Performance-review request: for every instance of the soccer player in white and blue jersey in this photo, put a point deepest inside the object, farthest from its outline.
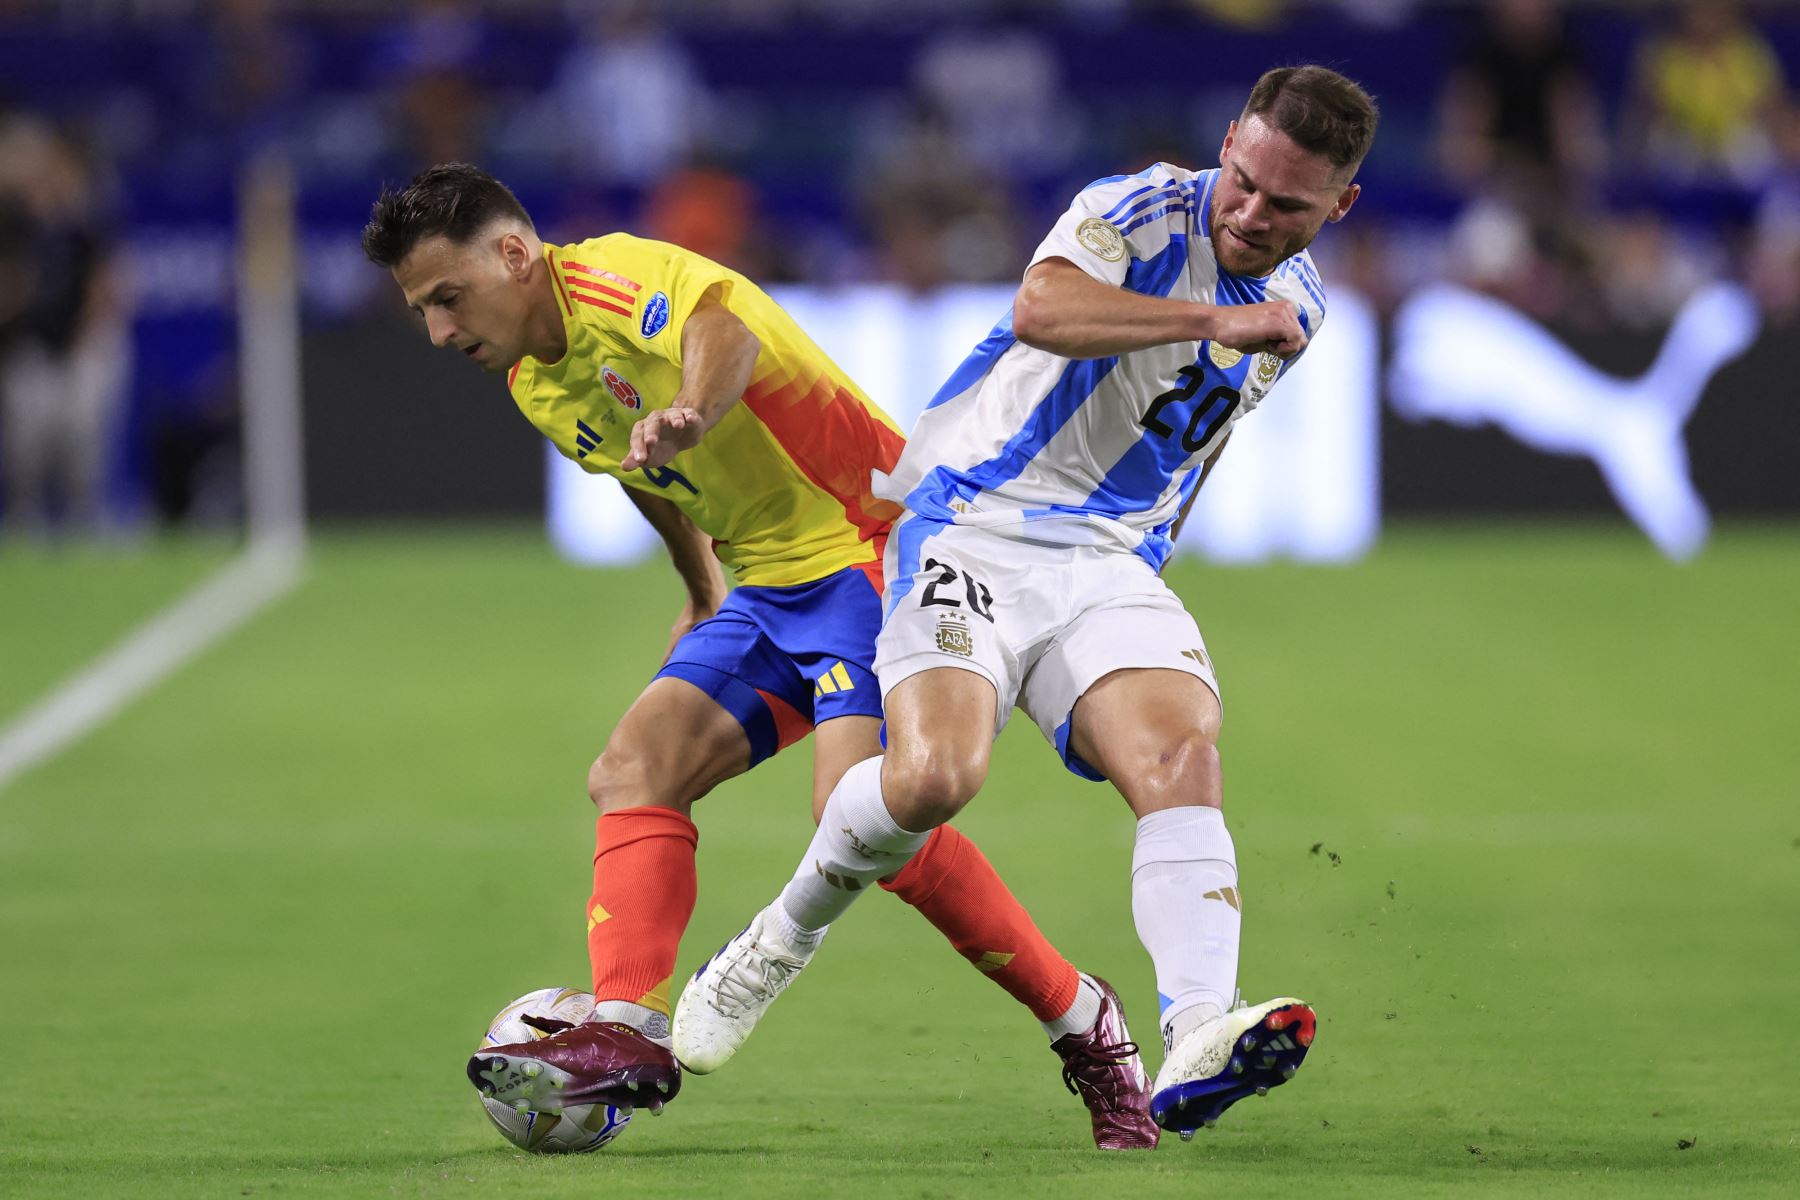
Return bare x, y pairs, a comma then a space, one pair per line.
1044, 487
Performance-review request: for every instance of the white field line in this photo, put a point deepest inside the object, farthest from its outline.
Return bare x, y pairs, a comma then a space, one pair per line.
148, 655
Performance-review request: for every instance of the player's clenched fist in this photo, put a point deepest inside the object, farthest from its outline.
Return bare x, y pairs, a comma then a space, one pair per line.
661, 435
1273, 325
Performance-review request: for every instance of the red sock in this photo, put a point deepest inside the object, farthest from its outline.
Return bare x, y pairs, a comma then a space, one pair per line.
644, 887
958, 890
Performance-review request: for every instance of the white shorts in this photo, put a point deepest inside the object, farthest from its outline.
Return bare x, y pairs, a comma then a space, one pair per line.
1042, 621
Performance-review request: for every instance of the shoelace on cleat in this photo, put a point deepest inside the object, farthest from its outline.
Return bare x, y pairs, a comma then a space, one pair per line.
1090, 1067
546, 1025
738, 988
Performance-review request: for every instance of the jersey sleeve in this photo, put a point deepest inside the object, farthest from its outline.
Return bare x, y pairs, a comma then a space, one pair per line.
639, 292
1113, 221
1300, 285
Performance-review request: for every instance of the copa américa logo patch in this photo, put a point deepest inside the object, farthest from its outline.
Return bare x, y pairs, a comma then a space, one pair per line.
656, 315
1101, 238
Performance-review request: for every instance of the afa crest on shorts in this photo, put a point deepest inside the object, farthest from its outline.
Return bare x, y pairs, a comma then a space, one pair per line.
954, 637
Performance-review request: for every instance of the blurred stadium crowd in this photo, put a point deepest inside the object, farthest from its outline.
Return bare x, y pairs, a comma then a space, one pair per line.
1590, 163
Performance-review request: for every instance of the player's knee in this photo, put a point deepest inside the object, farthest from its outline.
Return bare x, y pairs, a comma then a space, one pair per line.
926, 790
616, 780
1180, 769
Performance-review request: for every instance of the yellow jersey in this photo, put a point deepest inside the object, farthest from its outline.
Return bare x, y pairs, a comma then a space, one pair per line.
781, 482
1716, 98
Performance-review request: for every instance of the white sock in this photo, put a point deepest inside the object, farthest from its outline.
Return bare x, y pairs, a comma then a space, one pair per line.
857, 842
1083, 1011
647, 1021
1185, 900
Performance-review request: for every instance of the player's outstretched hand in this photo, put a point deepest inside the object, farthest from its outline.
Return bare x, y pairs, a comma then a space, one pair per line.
661, 435
1273, 325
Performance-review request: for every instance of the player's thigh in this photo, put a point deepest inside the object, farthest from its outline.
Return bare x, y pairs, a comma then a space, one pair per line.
1126, 690
1154, 733
818, 639
726, 700
673, 745
940, 739
838, 745
966, 610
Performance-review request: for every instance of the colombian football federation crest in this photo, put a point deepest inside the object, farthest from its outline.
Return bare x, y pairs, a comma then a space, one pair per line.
1101, 237
622, 390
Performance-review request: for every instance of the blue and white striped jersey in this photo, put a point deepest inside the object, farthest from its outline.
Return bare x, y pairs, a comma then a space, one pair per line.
1101, 451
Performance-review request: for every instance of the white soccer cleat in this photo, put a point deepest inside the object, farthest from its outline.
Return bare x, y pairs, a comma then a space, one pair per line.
722, 1003
1244, 1052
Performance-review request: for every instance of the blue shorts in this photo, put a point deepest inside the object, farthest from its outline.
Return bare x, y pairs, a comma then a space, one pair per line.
783, 659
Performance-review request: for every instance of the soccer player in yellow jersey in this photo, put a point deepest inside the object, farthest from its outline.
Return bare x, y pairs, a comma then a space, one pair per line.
742, 444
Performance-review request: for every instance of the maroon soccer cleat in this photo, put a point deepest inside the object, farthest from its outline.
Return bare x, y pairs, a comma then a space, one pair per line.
1103, 1068
598, 1063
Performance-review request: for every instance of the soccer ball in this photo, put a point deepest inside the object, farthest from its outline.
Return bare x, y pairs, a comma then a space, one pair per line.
579, 1128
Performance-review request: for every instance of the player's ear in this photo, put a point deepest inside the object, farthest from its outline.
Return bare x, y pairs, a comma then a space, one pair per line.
1230, 135
516, 254
1345, 199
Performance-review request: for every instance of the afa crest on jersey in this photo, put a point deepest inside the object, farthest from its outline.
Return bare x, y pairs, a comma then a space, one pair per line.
621, 389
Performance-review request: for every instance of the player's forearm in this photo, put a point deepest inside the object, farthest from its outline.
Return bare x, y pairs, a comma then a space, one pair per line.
706, 587
698, 567
1062, 309
718, 358
690, 550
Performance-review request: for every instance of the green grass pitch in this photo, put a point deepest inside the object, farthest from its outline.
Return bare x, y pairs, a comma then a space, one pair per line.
1515, 808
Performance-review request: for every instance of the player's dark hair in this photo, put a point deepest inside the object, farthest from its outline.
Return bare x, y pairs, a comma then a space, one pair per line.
452, 200
1324, 112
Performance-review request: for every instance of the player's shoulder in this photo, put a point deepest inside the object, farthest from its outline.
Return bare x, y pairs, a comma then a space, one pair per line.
1298, 279
647, 266
1115, 193
601, 280
611, 252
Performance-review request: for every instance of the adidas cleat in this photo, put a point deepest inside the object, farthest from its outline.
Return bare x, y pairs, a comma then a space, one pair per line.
1243, 1053
596, 1063
722, 1003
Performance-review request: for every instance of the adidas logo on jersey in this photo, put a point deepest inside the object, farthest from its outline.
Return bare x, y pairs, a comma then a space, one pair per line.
586, 440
